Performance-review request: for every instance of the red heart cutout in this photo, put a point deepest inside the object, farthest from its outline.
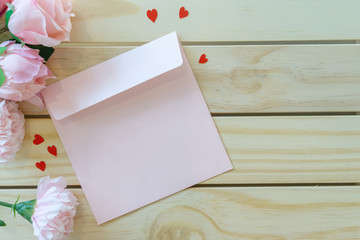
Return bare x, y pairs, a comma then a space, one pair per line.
152, 15
38, 139
183, 13
203, 58
52, 150
41, 165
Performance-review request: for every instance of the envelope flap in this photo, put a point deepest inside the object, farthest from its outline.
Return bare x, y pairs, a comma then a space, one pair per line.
113, 76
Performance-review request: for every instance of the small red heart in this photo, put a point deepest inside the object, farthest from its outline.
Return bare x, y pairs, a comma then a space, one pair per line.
183, 13
41, 165
52, 150
38, 139
203, 58
152, 14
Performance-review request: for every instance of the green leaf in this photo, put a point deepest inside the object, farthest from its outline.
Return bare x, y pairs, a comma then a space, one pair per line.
2, 223
2, 49
26, 209
8, 15
2, 77
18, 40
45, 52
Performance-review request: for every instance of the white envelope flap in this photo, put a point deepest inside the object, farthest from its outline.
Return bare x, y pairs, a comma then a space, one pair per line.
113, 76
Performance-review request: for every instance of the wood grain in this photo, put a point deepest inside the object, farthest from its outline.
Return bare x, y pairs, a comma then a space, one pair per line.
213, 213
244, 20
262, 150
125, 22
236, 79
243, 79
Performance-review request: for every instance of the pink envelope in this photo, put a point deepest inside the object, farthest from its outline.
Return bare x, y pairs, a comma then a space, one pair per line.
136, 128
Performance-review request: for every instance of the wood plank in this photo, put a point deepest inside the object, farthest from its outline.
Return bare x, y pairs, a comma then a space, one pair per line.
218, 213
123, 21
244, 20
262, 150
312, 78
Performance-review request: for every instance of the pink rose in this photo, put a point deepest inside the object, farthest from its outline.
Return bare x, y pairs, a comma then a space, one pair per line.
3, 6
54, 211
11, 130
24, 70
45, 22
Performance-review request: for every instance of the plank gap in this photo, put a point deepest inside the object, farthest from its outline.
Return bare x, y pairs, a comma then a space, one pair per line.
37, 116
205, 43
252, 114
256, 185
223, 185
284, 114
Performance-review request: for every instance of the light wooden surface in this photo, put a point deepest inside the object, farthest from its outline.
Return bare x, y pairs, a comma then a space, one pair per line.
209, 21
220, 213
284, 78
287, 114
268, 150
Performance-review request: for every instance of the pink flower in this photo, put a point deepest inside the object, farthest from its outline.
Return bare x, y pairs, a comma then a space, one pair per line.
54, 211
3, 6
45, 22
24, 70
11, 130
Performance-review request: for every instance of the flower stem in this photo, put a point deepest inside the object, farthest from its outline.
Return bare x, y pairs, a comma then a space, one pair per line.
9, 205
4, 29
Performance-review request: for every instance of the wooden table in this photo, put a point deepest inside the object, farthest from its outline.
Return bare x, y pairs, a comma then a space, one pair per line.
283, 85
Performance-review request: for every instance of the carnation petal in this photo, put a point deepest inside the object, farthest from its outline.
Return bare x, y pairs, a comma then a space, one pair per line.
11, 130
54, 210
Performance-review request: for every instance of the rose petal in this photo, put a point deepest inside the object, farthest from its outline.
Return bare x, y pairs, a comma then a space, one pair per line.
48, 25
25, 72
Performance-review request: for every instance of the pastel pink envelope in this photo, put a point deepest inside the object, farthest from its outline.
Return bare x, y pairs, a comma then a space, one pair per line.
136, 128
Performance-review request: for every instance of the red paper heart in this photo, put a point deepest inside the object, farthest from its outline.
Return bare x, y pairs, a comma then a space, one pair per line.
152, 14
183, 13
41, 165
38, 139
203, 58
52, 150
